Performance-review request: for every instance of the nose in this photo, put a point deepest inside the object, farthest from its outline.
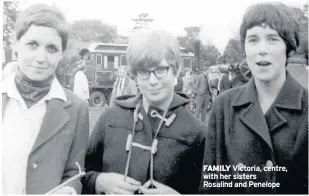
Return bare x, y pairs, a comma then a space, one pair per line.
263, 48
152, 78
41, 55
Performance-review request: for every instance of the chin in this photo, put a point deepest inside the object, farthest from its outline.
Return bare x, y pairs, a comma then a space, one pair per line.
265, 78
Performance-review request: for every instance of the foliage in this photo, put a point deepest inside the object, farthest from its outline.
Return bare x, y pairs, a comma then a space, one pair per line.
10, 12
233, 53
141, 21
93, 31
207, 54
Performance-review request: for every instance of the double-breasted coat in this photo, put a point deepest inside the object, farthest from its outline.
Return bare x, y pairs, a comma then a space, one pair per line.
178, 160
239, 133
62, 141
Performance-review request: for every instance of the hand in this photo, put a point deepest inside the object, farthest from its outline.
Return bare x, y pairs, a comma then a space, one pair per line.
159, 190
113, 183
67, 190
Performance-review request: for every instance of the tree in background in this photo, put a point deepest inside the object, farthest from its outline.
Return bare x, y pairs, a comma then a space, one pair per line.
233, 53
82, 34
93, 31
141, 21
10, 12
208, 54
302, 18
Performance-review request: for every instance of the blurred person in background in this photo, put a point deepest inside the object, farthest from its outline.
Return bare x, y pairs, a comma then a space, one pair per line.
123, 85
203, 95
80, 84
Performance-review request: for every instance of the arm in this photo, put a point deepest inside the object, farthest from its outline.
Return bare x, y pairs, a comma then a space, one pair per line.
78, 148
94, 157
197, 174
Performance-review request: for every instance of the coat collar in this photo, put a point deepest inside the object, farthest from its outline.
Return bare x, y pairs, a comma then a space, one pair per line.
55, 118
289, 97
130, 101
251, 114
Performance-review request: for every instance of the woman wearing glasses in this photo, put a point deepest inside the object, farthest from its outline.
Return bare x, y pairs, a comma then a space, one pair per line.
149, 143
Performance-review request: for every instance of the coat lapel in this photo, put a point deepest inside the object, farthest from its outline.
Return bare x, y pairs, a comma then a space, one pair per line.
251, 113
54, 120
289, 98
253, 117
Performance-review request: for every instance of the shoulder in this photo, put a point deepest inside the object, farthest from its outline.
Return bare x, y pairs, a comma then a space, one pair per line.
227, 98
116, 112
73, 98
195, 129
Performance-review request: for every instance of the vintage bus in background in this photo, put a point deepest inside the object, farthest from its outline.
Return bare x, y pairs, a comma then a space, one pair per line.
101, 69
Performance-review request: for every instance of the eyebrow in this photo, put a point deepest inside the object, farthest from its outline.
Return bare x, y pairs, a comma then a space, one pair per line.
53, 45
251, 36
273, 35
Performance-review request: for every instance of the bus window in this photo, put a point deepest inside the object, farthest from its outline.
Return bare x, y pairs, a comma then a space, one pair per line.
123, 60
110, 62
99, 60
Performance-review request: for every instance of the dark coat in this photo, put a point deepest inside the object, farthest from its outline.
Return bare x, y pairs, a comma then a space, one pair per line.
201, 85
178, 87
62, 141
178, 161
224, 83
239, 132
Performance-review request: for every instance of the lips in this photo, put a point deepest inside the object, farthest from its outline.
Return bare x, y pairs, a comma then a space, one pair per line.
263, 63
38, 67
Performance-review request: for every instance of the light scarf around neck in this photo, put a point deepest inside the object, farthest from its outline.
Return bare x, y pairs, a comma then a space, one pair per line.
30, 90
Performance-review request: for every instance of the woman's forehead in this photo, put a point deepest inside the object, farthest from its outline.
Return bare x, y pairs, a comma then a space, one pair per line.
261, 29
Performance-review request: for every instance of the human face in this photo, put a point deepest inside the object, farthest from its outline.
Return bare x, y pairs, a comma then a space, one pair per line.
266, 53
122, 72
39, 52
157, 91
188, 74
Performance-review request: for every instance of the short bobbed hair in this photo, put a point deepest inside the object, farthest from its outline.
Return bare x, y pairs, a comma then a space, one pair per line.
148, 48
42, 15
278, 17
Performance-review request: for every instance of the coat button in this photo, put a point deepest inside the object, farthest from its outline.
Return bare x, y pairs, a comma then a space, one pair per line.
269, 163
34, 166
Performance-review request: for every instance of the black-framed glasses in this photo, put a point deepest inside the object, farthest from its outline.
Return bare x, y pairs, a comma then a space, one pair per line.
159, 73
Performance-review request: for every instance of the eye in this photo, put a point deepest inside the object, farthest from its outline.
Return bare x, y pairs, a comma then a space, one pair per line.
160, 70
273, 39
52, 49
142, 72
33, 45
252, 40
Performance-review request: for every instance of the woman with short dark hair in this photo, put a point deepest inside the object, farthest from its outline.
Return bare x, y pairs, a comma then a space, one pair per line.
262, 125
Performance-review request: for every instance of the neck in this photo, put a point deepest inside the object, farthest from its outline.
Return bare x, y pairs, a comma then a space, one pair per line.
163, 105
268, 91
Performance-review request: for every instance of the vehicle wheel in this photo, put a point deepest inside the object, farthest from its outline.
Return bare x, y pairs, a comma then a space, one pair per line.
97, 99
245, 71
